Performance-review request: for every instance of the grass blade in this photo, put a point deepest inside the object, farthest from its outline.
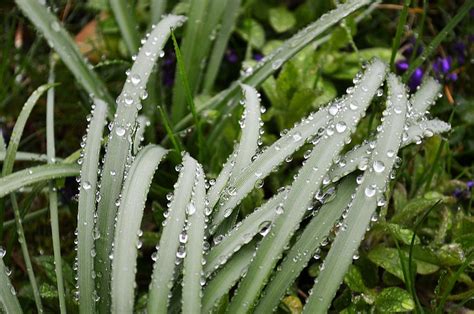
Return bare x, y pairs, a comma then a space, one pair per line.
462, 11
398, 35
8, 300
305, 247
228, 21
242, 156
192, 44
226, 278
127, 23
424, 98
86, 208
169, 247
129, 218
365, 202
53, 196
181, 70
61, 41
196, 226
25, 156
142, 123
19, 179
306, 184
119, 146
7, 169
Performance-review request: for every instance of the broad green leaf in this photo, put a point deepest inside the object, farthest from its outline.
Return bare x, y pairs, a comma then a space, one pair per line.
281, 19
394, 300
8, 300
252, 32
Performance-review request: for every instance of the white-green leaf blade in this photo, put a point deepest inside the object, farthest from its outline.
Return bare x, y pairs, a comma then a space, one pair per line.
22, 178
374, 183
129, 218
163, 268
125, 18
226, 278
119, 148
87, 207
305, 247
192, 270
243, 233
8, 300
307, 182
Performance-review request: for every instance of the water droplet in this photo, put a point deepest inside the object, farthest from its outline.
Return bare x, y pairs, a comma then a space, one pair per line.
390, 153
277, 64
370, 190
265, 227
341, 126
135, 79
190, 209
378, 166
333, 109
55, 26
297, 136
120, 131
86, 185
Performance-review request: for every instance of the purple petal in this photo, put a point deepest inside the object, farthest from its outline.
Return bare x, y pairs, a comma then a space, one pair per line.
415, 79
401, 66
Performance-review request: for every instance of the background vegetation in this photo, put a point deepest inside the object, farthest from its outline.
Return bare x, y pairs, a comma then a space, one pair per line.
430, 201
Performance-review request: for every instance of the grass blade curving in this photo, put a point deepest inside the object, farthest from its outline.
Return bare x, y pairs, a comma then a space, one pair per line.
8, 300
22, 178
86, 208
308, 181
424, 98
59, 39
127, 23
129, 218
368, 195
119, 147
242, 156
305, 247
53, 196
7, 169
169, 247
194, 238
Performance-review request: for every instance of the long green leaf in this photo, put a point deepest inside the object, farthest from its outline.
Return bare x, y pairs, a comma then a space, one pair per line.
53, 196
119, 146
169, 247
7, 169
247, 148
227, 25
20, 179
129, 218
25, 156
86, 208
194, 239
367, 197
125, 18
304, 249
308, 181
193, 42
59, 39
8, 300
157, 8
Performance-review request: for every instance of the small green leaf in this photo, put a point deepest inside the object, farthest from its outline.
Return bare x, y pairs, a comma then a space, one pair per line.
394, 299
354, 280
252, 32
281, 19
293, 304
401, 234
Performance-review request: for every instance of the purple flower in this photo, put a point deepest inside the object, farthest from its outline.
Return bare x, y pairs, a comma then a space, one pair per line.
470, 184
401, 66
415, 79
257, 56
452, 77
458, 193
231, 56
441, 66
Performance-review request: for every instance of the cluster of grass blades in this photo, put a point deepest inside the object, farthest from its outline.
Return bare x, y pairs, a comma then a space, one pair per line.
204, 251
